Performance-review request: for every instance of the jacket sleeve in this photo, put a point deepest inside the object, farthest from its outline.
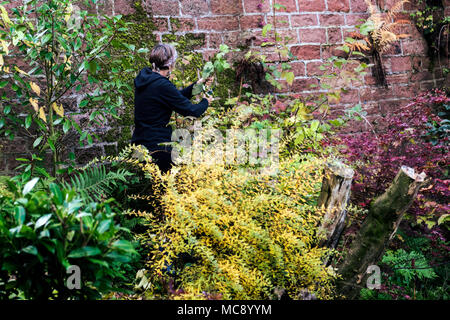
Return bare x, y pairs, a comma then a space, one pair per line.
179, 103
187, 92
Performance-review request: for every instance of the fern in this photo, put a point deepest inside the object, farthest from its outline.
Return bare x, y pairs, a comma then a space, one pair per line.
407, 265
95, 183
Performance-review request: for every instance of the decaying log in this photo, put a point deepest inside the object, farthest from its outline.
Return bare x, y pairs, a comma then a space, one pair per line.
334, 197
384, 216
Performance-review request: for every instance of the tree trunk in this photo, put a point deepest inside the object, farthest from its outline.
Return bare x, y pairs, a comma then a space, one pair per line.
334, 197
383, 219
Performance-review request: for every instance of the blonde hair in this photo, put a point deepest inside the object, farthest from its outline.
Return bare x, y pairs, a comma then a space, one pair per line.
163, 56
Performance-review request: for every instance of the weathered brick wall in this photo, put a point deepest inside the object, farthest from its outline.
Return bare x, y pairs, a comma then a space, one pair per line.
316, 27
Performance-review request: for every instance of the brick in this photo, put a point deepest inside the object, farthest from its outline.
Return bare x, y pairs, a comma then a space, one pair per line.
105, 7
306, 52
123, 7
415, 47
398, 78
399, 64
232, 39
338, 5
226, 7
375, 94
405, 91
334, 35
194, 7
313, 69
182, 24
420, 63
255, 6
162, 7
218, 23
394, 49
351, 96
298, 68
300, 85
331, 19
316, 35
289, 4
251, 22
161, 24
288, 36
356, 19
214, 40
304, 20
281, 20
208, 54
358, 6
330, 50
311, 5
422, 76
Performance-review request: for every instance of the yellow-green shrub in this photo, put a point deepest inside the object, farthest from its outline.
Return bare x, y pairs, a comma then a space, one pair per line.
237, 234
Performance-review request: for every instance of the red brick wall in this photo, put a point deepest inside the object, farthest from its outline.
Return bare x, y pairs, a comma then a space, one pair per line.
317, 27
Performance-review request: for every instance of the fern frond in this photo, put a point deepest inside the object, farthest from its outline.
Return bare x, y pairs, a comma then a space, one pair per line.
95, 183
396, 8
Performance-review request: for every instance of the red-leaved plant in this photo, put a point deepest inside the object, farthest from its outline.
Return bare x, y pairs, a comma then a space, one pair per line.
402, 140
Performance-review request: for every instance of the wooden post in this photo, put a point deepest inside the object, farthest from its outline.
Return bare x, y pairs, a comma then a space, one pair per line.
334, 197
383, 219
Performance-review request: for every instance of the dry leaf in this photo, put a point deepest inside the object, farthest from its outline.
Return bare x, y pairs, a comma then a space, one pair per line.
35, 88
4, 46
58, 109
21, 71
42, 114
35, 104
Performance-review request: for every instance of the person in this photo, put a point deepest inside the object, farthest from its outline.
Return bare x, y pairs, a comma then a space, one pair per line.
156, 97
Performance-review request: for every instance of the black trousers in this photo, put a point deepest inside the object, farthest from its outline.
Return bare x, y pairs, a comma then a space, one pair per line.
162, 156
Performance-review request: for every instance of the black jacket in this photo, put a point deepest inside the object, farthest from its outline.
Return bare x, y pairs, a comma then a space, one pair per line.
154, 100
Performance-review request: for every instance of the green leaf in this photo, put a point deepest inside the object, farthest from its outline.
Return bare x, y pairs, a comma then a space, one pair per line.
288, 76
20, 214
123, 245
31, 250
37, 141
3, 84
266, 29
104, 226
29, 186
54, 188
28, 121
42, 221
84, 252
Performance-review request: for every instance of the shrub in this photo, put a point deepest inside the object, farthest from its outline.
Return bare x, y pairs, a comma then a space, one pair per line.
44, 231
403, 140
225, 232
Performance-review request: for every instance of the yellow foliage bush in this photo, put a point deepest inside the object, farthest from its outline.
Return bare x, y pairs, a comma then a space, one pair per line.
223, 231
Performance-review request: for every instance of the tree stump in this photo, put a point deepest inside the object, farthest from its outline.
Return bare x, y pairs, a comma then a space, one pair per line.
379, 227
334, 197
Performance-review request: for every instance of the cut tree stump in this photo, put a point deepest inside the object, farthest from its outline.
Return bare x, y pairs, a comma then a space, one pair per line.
379, 227
334, 197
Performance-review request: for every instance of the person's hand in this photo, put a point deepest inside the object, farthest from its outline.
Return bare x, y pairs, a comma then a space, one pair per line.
207, 81
209, 98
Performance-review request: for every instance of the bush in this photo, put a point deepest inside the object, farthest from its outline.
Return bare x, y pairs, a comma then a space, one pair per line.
404, 140
227, 233
44, 231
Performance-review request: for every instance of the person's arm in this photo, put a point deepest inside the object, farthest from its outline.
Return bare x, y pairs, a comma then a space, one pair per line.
187, 92
179, 103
